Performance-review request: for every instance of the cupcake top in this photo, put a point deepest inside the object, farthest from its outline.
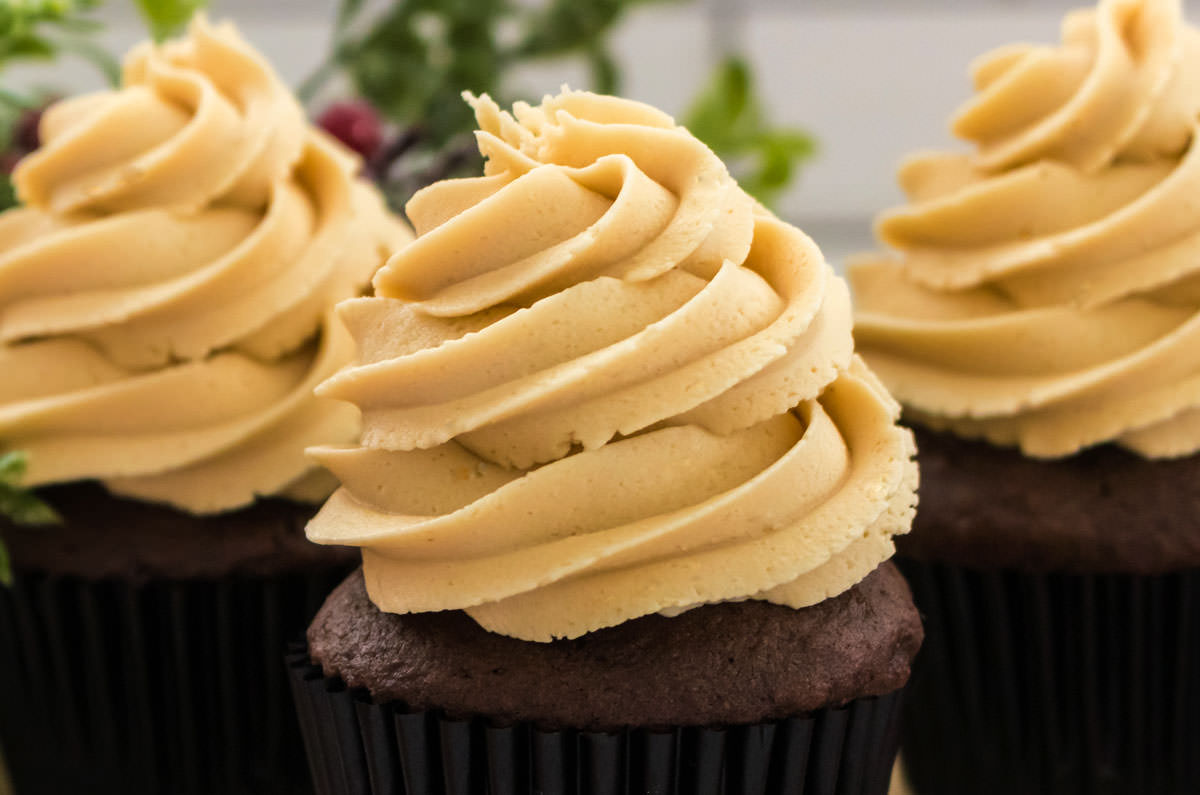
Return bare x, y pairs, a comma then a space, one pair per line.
1046, 285
604, 383
166, 293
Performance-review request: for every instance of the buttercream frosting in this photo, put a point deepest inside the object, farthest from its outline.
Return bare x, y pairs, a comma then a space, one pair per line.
603, 382
1046, 285
166, 290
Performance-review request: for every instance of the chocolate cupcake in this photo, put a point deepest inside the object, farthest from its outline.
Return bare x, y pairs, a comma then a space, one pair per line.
624, 494
1040, 322
166, 299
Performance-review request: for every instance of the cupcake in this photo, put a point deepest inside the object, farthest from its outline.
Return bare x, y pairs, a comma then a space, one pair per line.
625, 496
166, 299
1038, 320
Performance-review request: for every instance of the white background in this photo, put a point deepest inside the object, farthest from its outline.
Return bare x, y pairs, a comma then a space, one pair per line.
872, 80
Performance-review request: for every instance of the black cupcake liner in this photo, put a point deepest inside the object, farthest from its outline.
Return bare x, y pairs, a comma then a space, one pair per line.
1054, 683
358, 747
167, 687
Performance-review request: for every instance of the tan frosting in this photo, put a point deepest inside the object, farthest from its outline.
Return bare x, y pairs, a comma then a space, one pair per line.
1047, 286
602, 383
166, 294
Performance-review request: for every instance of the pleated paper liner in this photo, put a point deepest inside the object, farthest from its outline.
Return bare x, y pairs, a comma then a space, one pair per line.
166, 688
357, 747
1054, 683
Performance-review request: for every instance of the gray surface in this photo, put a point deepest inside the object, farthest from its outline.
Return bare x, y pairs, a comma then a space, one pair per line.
838, 238
873, 80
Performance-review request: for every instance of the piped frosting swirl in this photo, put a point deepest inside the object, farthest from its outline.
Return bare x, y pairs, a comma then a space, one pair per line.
166, 293
602, 382
1046, 293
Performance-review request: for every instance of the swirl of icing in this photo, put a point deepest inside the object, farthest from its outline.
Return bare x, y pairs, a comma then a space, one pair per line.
166, 295
1047, 291
602, 383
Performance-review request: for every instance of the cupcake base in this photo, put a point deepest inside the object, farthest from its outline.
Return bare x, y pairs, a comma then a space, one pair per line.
740, 698
1071, 684
161, 687
717, 665
139, 646
107, 537
1103, 510
359, 747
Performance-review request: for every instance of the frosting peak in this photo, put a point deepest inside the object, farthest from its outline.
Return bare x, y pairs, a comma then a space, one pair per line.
602, 382
166, 293
199, 120
1123, 84
1047, 287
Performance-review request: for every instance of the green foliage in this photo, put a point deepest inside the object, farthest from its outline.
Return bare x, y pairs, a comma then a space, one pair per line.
167, 17
19, 504
44, 29
8, 194
11, 108
419, 52
6, 575
413, 61
729, 117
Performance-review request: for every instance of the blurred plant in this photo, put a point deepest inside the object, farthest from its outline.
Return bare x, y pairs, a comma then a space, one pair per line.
409, 64
40, 30
44, 30
728, 116
32, 30
20, 505
412, 62
47, 28
167, 17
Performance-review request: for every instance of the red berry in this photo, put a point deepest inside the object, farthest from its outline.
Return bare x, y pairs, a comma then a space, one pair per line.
8, 161
25, 136
356, 124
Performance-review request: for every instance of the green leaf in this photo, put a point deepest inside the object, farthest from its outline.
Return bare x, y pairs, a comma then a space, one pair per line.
79, 25
411, 59
606, 76
32, 47
24, 507
15, 103
12, 466
39, 29
8, 194
6, 575
715, 114
17, 503
167, 17
728, 116
347, 12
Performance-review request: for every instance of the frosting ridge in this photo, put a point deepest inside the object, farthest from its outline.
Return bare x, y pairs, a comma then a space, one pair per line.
166, 291
1045, 288
602, 382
